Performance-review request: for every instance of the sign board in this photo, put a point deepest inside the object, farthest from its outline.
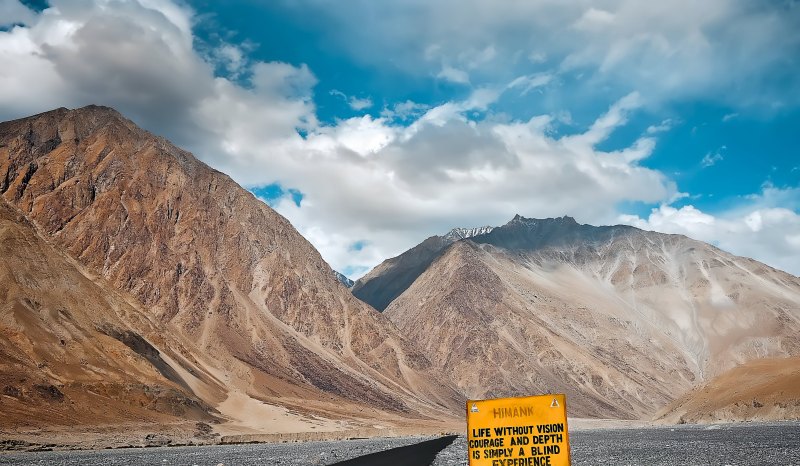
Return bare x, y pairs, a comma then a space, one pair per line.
526, 431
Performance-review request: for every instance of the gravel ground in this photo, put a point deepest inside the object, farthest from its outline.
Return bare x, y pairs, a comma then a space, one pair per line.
453, 455
728, 444
284, 454
719, 445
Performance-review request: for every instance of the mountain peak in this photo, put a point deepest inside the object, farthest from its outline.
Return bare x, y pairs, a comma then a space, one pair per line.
462, 233
93, 109
97, 108
74, 124
99, 115
533, 233
565, 220
343, 279
88, 110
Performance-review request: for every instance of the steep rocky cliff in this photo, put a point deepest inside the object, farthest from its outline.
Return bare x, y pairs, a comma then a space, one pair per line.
209, 261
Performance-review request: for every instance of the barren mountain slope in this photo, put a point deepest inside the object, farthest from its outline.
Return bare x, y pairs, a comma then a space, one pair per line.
489, 324
764, 389
389, 279
625, 320
206, 256
73, 351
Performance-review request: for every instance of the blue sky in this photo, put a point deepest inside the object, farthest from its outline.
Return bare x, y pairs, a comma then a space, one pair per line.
372, 125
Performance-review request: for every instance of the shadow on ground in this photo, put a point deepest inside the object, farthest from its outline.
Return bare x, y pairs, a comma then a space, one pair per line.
419, 454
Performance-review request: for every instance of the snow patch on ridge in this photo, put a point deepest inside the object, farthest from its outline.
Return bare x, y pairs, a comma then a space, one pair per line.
463, 233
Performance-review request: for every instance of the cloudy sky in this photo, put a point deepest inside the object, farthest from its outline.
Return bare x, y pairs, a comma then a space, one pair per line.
372, 125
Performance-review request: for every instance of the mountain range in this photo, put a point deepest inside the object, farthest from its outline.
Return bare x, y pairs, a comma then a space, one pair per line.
239, 310
138, 286
620, 319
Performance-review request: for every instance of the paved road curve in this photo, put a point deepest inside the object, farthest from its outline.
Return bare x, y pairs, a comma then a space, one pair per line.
734, 445
418, 454
283, 454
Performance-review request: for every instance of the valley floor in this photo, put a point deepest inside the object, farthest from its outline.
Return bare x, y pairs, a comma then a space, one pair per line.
149, 435
735, 444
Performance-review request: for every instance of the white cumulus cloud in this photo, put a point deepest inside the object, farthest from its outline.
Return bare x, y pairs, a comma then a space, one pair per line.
14, 12
388, 180
665, 50
763, 227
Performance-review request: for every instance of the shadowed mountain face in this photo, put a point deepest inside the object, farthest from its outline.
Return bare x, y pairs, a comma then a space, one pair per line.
530, 234
391, 278
622, 320
268, 317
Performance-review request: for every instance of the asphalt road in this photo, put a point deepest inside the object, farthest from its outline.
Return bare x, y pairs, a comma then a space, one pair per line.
423, 453
733, 445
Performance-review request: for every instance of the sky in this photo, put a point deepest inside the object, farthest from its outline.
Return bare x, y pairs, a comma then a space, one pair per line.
373, 125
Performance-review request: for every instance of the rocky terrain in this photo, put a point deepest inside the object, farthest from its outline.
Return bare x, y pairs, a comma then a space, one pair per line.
759, 390
242, 314
74, 351
293, 453
621, 320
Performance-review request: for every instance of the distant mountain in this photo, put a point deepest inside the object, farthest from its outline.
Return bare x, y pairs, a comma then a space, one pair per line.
393, 276
530, 234
620, 319
343, 279
463, 233
211, 264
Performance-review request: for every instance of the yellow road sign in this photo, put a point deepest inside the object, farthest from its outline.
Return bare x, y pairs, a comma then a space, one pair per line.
526, 431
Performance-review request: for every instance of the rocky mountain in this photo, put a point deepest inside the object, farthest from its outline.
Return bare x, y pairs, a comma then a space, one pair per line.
620, 319
393, 276
270, 324
73, 350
